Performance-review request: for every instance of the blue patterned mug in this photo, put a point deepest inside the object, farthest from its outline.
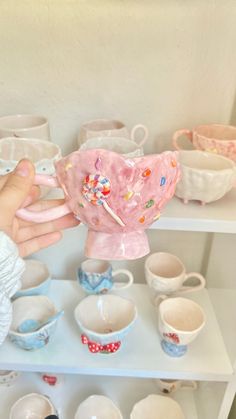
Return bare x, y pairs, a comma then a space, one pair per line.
97, 277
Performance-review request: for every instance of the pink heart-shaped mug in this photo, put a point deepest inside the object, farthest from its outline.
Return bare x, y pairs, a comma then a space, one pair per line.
117, 197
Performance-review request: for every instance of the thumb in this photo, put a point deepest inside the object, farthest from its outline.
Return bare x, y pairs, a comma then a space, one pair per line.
17, 187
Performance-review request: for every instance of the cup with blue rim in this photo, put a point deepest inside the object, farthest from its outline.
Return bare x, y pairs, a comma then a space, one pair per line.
97, 277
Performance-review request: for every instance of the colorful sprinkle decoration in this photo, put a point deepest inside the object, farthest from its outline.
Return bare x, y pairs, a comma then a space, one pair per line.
147, 172
157, 217
173, 163
163, 181
142, 219
96, 188
128, 195
68, 166
149, 203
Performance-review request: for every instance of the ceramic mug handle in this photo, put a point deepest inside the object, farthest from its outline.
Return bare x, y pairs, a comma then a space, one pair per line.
145, 134
188, 385
158, 299
46, 215
122, 285
178, 134
185, 288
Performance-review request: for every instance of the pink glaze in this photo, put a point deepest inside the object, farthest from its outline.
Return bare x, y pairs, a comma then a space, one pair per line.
139, 189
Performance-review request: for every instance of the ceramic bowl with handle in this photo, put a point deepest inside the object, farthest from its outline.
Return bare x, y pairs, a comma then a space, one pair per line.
30, 310
156, 406
105, 321
99, 407
35, 280
117, 197
32, 405
205, 177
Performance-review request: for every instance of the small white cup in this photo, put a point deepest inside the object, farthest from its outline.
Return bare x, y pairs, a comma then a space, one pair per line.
180, 322
27, 126
121, 145
166, 274
111, 128
171, 386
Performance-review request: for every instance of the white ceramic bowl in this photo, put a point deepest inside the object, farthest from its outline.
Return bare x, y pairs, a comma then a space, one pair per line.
99, 407
7, 378
35, 280
38, 308
105, 320
205, 177
32, 406
157, 407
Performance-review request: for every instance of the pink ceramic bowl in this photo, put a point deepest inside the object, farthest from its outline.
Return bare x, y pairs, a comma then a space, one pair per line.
117, 197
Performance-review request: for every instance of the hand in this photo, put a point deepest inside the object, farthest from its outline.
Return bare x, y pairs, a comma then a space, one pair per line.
16, 191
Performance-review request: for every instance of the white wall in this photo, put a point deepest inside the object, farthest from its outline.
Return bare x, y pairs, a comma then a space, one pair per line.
165, 63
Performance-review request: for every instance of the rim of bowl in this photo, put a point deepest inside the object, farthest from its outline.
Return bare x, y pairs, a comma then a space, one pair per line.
27, 115
41, 396
99, 396
202, 152
157, 396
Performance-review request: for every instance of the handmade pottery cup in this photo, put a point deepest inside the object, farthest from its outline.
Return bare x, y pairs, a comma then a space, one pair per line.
180, 322
105, 321
111, 128
35, 280
171, 386
166, 274
97, 277
26, 126
118, 205
156, 406
214, 138
206, 177
99, 407
32, 405
121, 145
8, 378
36, 309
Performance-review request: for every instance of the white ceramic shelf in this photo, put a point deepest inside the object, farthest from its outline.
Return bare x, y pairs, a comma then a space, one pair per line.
141, 355
125, 392
216, 217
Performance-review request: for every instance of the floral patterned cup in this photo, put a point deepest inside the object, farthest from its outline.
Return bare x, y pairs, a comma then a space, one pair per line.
214, 138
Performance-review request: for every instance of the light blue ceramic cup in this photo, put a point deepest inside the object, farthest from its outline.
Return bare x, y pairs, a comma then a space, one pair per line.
35, 280
97, 277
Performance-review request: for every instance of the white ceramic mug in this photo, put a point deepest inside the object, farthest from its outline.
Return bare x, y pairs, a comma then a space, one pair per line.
180, 322
27, 126
166, 274
121, 145
171, 386
111, 128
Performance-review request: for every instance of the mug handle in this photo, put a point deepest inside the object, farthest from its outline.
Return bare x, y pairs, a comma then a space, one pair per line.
188, 385
202, 283
158, 299
145, 134
46, 215
122, 285
178, 134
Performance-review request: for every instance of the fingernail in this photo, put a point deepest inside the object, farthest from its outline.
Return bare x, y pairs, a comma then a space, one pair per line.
23, 168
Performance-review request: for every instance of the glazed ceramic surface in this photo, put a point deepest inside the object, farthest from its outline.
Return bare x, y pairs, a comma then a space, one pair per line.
215, 138
206, 177
35, 279
166, 274
97, 277
5, 316
180, 322
105, 321
171, 386
34, 308
42, 153
32, 406
155, 406
117, 198
121, 145
98, 407
8, 378
111, 128
27, 126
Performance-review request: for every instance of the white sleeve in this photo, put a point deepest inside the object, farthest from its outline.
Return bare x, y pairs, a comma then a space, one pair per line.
11, 266
11, 270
